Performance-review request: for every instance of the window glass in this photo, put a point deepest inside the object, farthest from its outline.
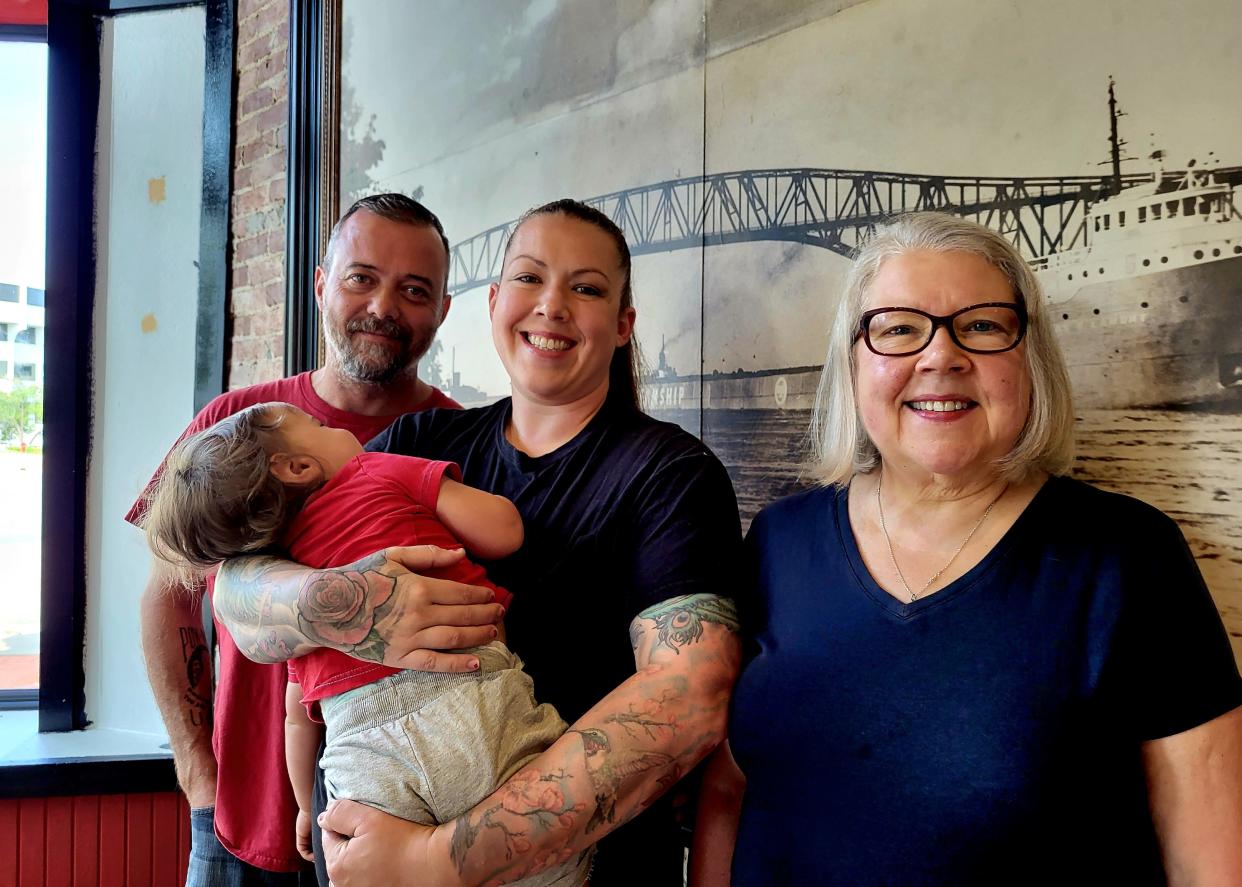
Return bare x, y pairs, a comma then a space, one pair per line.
23, 174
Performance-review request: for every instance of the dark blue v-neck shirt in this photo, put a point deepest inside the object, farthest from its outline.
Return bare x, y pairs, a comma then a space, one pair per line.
987, 734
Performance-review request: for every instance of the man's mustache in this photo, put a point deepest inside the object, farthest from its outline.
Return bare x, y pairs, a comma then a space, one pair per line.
380, 327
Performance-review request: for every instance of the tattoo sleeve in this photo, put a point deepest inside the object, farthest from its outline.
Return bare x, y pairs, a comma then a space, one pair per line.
620, 756
277, 610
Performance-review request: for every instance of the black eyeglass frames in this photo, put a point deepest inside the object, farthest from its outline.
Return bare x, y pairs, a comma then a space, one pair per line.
986, 328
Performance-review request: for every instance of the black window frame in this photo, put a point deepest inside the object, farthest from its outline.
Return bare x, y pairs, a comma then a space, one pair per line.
311, 168
72, 35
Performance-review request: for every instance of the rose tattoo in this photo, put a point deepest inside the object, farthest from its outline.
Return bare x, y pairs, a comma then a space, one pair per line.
339, 607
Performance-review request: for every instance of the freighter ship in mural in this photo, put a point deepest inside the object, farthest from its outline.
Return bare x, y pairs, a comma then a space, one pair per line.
1148, 311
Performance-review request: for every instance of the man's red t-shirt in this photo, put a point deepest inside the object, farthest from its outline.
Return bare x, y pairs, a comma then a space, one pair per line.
255, 806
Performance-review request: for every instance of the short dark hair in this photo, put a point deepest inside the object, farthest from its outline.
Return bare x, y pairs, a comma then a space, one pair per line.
395, 207
624, 371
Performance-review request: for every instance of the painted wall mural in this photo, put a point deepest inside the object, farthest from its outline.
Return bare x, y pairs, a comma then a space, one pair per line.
746, 147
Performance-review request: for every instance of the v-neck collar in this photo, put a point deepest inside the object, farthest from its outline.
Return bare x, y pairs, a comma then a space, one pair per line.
906, 612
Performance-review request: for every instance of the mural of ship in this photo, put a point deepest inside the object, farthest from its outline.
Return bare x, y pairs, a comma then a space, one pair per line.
1148, 311
1142, 272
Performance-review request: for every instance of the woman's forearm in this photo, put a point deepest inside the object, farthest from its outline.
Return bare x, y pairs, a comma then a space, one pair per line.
277, 610
374, 609
716, 823
611, 764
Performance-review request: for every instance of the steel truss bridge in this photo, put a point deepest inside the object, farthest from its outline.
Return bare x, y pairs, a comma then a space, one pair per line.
829, 208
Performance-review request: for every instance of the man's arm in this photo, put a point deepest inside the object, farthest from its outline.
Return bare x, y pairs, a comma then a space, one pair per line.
611, 764
373, 609
179, 669
1194, 782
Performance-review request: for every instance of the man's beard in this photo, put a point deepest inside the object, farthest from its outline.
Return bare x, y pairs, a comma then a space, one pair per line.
373, 362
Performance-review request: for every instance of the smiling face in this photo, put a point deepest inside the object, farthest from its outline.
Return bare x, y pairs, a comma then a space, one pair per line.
382, 297
302, 435
556, 311
943, 411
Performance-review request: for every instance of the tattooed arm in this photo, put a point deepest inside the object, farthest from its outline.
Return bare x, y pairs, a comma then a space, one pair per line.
179, 669
611, 764
374, 609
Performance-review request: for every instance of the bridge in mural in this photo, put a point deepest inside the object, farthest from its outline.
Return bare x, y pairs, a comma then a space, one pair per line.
829, 208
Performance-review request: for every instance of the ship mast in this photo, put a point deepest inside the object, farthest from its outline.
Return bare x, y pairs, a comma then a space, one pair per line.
1114, 142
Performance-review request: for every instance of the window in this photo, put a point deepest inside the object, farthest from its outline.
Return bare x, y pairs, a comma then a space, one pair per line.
23, 174
80, 85
4, 369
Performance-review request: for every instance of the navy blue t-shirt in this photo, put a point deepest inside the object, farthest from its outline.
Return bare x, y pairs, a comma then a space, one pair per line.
629, 513
987, 734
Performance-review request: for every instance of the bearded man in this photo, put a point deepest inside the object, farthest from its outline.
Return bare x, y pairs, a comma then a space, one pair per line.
381, 292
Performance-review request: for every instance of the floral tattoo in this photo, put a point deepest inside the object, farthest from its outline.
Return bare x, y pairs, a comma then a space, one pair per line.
339, 608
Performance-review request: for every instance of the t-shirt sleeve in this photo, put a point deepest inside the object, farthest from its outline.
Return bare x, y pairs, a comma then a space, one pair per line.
426, 490
418, 479
688, 538
751, 609
1172, 658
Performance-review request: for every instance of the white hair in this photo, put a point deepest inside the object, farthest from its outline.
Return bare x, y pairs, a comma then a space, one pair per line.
842, 447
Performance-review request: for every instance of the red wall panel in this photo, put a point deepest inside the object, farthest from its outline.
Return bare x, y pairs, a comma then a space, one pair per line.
133, 840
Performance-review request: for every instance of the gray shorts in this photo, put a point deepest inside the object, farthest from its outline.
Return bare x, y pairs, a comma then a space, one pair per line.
428, 747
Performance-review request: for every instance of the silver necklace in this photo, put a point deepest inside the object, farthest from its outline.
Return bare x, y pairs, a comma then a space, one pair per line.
936, 575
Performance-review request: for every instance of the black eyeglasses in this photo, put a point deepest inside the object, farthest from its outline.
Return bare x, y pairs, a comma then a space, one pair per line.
986, 328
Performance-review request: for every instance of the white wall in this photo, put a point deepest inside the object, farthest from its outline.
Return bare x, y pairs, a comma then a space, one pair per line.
149, 194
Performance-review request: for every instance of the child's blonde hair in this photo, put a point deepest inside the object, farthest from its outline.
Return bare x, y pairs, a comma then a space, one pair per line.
217, 496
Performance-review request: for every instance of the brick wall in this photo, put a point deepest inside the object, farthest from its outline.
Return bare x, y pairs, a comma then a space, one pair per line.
261, 111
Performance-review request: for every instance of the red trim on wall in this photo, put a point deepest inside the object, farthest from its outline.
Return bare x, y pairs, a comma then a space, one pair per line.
134, 840
23, 12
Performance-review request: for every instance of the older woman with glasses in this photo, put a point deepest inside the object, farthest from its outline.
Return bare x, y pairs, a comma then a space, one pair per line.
969, 667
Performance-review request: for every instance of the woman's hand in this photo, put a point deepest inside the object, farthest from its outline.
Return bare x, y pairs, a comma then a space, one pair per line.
428, 616
362, 846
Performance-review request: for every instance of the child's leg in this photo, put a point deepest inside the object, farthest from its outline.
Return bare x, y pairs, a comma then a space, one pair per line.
458, 738
373, 767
